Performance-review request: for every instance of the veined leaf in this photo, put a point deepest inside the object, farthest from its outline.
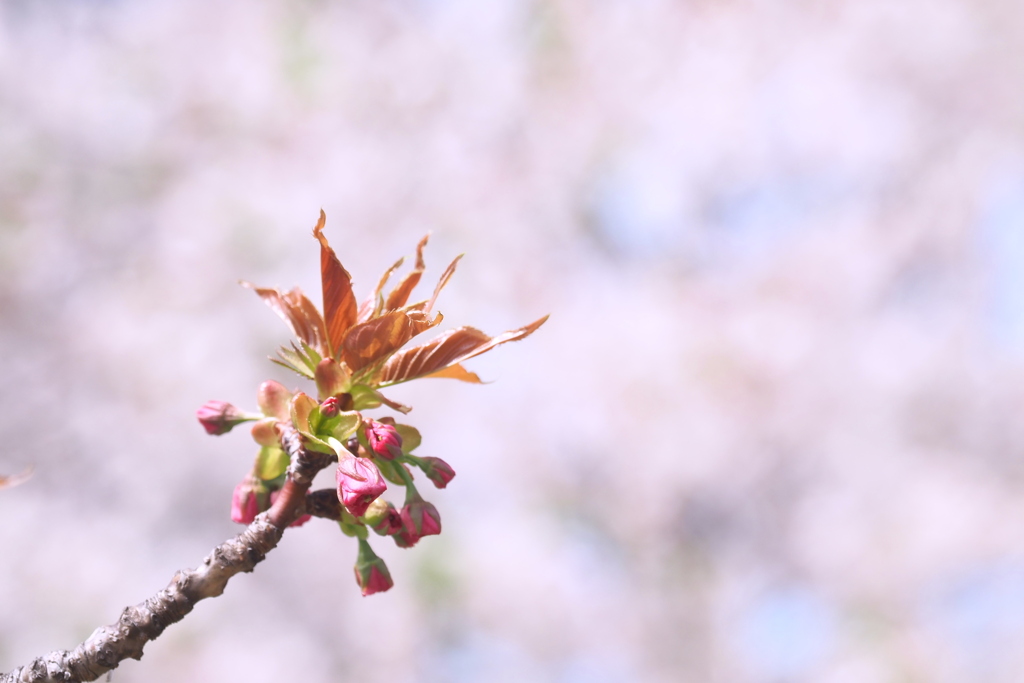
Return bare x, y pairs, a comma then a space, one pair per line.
374, 304
289, 366
344, 425
296, 310
366, 398
458, 372
410, 437
445, 277
306, 311
378, 338
311, 356
339, 300
294, 361
447, 350
401, 293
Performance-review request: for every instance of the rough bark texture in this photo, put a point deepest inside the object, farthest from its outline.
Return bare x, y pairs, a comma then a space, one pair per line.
110, 645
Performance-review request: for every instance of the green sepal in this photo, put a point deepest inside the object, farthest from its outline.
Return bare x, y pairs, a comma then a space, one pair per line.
305, 413
341, 426
363, 441
375, 514
271, 463
314, 443
350, 526
347, 425
389, 469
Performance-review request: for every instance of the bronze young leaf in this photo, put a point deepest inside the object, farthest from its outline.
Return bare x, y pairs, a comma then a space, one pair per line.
339, 300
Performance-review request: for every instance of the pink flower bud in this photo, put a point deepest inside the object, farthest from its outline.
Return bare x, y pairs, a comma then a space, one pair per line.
384, 518
264, 432
330, 407
298, 522
419, 519
437, 470
403, 539
274, 400
219, 417
384, 440
359, 484
246, 502
372, 574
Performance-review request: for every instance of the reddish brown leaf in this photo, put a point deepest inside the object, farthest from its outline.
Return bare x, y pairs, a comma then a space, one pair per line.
445, 277
373, 305
458, 372
401, 293
432, 356
298, 311
376, 339
447, 350
339, 301
304, 310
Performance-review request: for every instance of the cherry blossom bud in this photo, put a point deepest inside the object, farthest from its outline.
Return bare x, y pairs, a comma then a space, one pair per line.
274, 400
437, 471
419, 518
220, 417
372, 574
384, 440
403, 539
330, 407
359, 484
298, 522
264, 432
246, 502
383, 517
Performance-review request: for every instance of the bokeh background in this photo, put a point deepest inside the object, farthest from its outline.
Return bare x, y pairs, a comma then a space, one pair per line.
772, 432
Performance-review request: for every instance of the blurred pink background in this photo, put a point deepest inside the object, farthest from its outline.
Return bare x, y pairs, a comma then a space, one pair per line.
772, 432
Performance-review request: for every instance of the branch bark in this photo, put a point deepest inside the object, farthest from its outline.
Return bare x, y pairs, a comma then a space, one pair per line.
109, 645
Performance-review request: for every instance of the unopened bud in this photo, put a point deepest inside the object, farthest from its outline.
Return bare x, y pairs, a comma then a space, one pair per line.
419, 519
372, 574
220, 417
403, 539
359, 484
264, 432
383, 517
437, 471
274, 400
383, 439
248, 500
330, 407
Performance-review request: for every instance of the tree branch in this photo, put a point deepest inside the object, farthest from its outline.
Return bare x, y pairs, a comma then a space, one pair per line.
110, 645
